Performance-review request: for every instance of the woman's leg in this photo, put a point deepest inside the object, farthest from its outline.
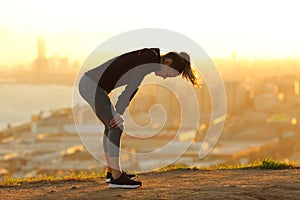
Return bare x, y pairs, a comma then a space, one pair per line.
108, 140
105, 138
111, 139
101, 104
113, 150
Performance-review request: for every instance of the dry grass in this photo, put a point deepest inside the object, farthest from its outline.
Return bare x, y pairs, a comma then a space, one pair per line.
266, 164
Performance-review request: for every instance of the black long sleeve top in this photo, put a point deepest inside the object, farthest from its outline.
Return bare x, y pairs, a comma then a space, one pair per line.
127, 69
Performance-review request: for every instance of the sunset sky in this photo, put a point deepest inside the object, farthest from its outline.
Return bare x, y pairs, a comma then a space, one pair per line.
254, 29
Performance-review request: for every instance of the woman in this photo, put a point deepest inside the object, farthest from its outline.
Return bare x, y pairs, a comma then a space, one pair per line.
128, 69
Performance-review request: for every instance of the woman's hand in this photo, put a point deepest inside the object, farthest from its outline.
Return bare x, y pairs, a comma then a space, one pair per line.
117, 121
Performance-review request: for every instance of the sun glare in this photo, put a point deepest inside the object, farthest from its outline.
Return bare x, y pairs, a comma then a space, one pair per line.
252, 28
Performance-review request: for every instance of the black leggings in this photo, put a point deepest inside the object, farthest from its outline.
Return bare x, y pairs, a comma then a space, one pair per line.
98, 99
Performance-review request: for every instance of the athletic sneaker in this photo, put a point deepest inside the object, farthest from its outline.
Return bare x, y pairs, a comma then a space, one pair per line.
109, 175
124, 182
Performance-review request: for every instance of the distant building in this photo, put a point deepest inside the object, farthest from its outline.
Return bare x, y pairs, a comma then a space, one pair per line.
277, 93
53, 69
267, 102
40, 63
41, 51
297, 88
287, 85
204, 99
238, 97
53, 123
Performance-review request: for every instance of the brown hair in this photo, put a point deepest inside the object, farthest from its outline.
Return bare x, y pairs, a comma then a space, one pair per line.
181, 63
188, 72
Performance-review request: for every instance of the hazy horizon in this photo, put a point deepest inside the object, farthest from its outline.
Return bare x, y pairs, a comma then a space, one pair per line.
254, 29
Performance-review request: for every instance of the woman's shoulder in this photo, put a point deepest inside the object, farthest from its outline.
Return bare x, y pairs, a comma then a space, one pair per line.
149, 51
149, 55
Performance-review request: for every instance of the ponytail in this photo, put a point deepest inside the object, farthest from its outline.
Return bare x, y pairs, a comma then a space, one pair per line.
188, 72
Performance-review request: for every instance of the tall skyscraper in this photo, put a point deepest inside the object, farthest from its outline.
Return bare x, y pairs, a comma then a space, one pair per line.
41, 48
40, 64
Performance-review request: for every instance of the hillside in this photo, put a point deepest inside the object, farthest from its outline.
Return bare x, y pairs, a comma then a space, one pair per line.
173, 184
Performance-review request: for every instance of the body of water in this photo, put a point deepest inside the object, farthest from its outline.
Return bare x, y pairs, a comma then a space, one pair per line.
18, 102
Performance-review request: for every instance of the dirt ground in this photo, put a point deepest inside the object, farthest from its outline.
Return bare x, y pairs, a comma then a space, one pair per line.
176, 184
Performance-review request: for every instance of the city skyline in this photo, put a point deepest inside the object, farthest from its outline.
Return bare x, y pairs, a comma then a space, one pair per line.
253, 29
35, 50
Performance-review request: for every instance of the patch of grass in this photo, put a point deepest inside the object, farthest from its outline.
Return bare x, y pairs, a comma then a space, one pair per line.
177, 167
253, 165
82, 176
266, 163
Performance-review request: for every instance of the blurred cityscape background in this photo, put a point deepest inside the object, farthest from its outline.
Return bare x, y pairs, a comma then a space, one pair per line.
254, 44
263, 112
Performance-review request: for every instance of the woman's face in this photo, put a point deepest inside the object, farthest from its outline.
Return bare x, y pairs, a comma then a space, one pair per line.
166, 71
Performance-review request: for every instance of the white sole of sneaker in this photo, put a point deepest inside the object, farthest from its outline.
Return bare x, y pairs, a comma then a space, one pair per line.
123, 186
